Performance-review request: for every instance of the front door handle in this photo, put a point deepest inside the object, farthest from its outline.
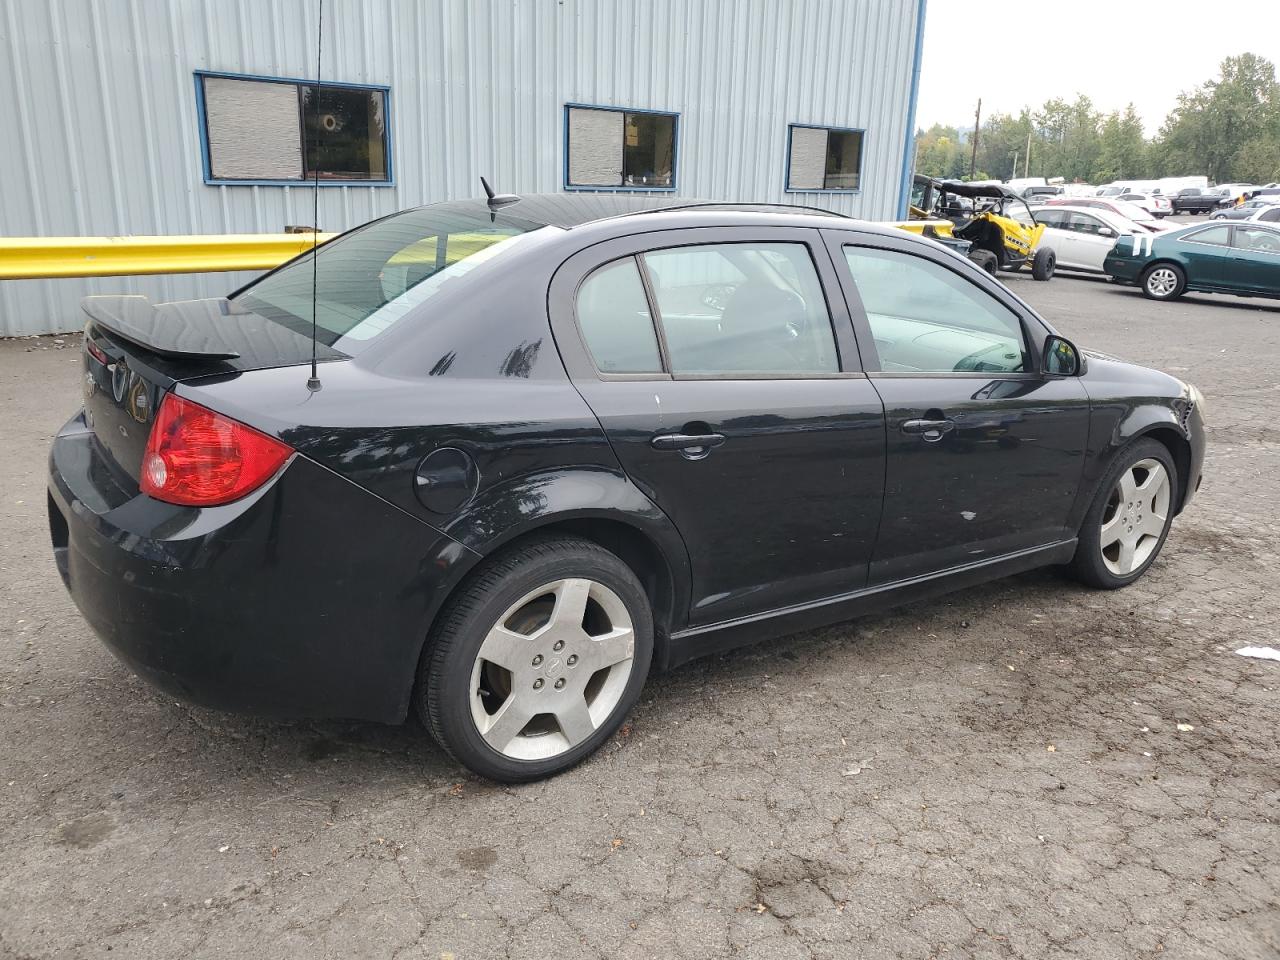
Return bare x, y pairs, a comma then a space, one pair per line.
930, 430
694, 446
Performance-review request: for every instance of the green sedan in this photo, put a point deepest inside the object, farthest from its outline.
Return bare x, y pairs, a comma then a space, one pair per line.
1239, 258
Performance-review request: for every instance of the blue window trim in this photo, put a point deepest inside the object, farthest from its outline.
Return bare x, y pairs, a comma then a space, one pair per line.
202, 121
786, 176
909, 144
675, 150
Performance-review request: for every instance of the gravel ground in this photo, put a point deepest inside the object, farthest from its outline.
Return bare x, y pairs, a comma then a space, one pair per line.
996, 774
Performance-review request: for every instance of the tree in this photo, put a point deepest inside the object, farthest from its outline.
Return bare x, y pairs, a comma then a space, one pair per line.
1122, 149
1225, 125
940, 153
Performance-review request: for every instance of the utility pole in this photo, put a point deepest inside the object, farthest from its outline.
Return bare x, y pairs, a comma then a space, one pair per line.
1015, 164
977, 125
1026, 164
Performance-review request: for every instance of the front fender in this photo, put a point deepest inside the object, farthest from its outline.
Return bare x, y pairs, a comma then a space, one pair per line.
1116, 423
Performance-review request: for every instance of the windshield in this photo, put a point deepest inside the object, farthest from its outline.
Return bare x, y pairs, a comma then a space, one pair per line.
370, 278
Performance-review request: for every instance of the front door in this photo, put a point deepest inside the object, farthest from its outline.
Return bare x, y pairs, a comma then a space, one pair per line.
733, 398
1091, 240
985, 454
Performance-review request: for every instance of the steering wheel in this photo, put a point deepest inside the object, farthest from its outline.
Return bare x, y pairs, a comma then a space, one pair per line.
1267, 244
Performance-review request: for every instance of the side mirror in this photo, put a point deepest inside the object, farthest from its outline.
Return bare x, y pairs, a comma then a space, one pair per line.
1061, 358
1106, 232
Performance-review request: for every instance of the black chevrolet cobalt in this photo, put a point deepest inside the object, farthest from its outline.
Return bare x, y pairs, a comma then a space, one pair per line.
555, 444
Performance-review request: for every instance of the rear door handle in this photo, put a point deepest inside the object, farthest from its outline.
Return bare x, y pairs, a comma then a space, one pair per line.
930, 430
685, 441
693, 445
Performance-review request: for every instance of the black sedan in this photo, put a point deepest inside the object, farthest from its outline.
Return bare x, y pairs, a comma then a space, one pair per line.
553, 444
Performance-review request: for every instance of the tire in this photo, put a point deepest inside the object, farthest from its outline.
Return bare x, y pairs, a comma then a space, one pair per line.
986, 260
1043, 264
1163, 281
1099, 560
523, 587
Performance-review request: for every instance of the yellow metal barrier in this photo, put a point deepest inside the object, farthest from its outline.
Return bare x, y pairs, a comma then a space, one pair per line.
939, 227
31, 258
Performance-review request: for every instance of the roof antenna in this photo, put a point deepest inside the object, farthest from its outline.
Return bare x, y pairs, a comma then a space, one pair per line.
313, 382
497, 200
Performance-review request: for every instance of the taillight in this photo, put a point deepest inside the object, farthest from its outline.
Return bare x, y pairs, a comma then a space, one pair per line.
198, 458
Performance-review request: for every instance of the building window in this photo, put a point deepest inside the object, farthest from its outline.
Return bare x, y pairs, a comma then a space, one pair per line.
619, 149
824, 158
266, 130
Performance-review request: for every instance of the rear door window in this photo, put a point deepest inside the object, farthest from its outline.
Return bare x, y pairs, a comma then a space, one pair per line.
1217, 236
742, 308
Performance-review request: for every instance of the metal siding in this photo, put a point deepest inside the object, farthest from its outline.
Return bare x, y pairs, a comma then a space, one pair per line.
97, 101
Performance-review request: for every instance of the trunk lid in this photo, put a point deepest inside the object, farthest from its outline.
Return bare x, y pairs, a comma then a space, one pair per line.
135, 351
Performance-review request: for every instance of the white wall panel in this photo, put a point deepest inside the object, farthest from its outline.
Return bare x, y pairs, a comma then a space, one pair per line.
99, 133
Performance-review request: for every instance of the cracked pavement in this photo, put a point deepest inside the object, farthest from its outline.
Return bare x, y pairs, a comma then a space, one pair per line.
996, 774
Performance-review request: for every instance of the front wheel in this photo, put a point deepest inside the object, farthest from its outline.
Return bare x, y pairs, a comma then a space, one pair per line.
1164, 281
538, 659
1127, 524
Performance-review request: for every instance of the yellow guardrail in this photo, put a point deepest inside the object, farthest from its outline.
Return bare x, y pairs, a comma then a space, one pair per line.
33, 258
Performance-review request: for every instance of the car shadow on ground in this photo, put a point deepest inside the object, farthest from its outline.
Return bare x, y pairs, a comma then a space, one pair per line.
256, 754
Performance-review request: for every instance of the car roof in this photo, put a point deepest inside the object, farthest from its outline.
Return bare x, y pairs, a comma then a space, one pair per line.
569, 210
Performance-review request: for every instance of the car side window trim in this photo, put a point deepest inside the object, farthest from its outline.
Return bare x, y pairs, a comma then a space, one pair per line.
1033, 331
575, 270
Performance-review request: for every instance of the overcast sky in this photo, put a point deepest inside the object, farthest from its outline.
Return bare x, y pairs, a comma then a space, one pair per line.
1113, 51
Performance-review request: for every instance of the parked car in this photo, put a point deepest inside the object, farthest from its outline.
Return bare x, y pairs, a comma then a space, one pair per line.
1081, 237
1243, 259
1040, 193
1269, 214
1242, 211
1195, 200
1154, 204
550, 443
1130, 211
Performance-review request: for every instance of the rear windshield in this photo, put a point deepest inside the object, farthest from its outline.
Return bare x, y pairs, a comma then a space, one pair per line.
370, 278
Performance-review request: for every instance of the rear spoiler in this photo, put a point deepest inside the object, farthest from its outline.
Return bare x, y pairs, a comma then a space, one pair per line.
182, 331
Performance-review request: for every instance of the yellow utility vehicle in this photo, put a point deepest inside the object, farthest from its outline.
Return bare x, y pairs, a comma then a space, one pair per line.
996, 221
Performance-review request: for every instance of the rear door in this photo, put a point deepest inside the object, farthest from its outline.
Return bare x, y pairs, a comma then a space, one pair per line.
984, 453
722, 366
1254, 262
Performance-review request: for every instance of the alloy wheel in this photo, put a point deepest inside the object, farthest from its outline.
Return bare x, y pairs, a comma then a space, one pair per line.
1161, 282
552, 669
1135, 516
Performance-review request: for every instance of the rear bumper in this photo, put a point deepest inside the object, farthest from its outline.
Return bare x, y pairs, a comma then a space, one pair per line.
310, 597
1122, 268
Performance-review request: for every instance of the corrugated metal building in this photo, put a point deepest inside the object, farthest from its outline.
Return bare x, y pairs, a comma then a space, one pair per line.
140, 117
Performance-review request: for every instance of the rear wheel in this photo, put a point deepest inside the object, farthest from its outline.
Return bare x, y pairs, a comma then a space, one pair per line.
1043, 264
1164, 281
537, 661
987, 260
1126, 526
